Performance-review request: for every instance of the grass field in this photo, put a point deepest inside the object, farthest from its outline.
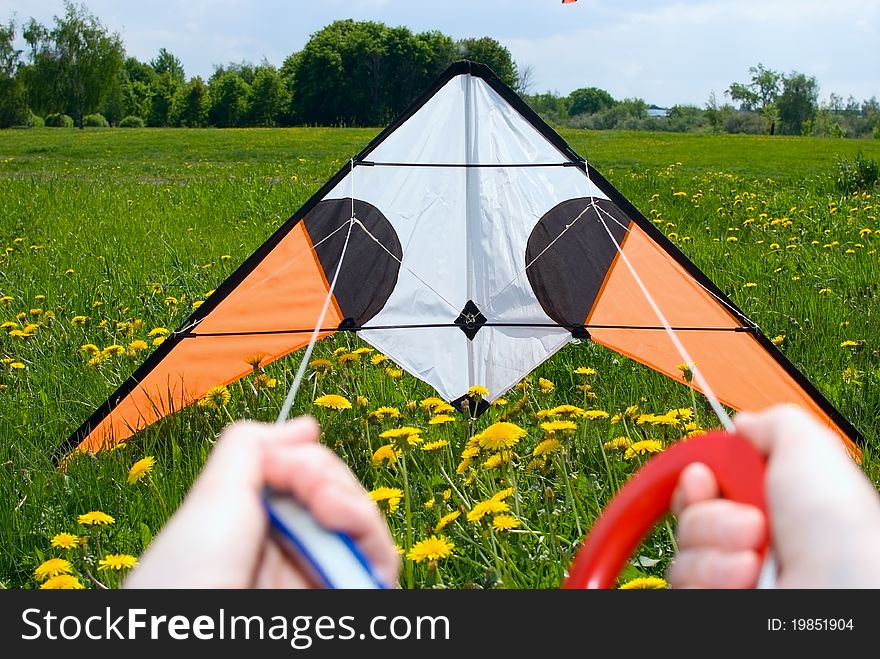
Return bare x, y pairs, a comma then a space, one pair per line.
106, 235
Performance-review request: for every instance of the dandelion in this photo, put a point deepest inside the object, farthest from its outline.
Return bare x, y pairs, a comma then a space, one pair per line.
585, 371
216, 397
500, 435
545, 385
443, 408
377, 359
362, 351
686, 371
777, 340
348, 357
435, 445
750, 284
850, 375
824, 291
381, 413
642, 447
113, 350
477, 390
117, 562
440, 419
254, 361
849, 343
95, 518
393, 373
64, 541
263, 381
432, 549
52, 568
391, 495
157, 331
595, 414
505, 522
644, 583
16, 366
323, 366
431, 402
333, 401
361, 401
410, 435
79, 320
617, 443
136, 346
487, 507
141, 469
546, 447
559, 425
447, 519
385, 453
63, 582
496, 460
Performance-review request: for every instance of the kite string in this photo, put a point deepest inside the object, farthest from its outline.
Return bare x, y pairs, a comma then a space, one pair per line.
719, 410
297, 380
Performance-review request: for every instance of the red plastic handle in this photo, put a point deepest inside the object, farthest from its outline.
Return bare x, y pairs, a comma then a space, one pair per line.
647, 496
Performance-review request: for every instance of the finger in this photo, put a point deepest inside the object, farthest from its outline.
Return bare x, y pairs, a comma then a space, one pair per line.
714, 569
696, 483
721, 524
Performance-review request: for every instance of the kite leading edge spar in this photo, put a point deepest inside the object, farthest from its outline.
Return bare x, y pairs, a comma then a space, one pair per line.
469, 243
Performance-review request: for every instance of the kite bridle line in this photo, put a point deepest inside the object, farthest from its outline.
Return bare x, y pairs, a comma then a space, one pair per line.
297, 380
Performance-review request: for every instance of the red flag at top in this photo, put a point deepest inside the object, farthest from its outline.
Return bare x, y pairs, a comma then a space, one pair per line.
568, 2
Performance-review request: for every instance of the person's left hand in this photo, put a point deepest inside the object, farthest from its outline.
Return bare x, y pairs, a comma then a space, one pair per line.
218, 537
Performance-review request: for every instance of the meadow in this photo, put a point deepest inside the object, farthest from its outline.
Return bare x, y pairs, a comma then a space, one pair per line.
109, 238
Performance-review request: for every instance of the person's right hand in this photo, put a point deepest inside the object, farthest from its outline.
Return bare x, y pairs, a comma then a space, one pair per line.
824, 513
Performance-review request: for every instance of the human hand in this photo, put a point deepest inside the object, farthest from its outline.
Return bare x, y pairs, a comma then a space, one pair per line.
824, 513
218, 537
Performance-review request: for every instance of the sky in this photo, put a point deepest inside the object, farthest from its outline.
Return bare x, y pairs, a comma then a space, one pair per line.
666, 53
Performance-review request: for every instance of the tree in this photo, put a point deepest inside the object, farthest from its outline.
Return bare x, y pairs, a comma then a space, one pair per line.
797, 103
589, 100
488, 51
74, 65
760, 94
269, 97
13, 104
166, 63
229, 99
191, 104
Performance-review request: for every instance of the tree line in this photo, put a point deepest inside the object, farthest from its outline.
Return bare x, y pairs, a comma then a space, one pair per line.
349, 73
76, 72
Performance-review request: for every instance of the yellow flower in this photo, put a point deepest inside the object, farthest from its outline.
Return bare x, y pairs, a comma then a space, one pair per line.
52, 568
113, 350
500, 435
377, 359
585, 371
643, 447
617, 443
447, 519
393, 372
95, 518
443, 408
391, 495
410, 434
141, 468
215, 397
849, 343
500, 402
824, 291
63, 582
431, 402
157, 331
362, 351
255, 360
321, 365
505, 522
547, 447
440, 418
65, 541
558, 426
136, 346
545, 385
432, 549
361, 401
333, 401
117, 562
17, 366
385, 453
436, 445
488, 507
777, 340
263, 381
642, 583
595, 414
349, 357
79, 320
382, 412
478, 390
496, 460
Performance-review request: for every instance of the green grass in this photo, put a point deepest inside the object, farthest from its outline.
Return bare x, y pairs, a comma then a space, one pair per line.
133, 226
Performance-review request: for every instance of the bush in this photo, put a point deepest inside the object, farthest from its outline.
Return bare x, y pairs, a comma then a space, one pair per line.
862, 174
35, 120
752, 123
56, 120
95, 121
131, 121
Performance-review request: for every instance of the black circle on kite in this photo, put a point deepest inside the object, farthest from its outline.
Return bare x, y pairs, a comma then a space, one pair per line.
569, 254
372, 258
